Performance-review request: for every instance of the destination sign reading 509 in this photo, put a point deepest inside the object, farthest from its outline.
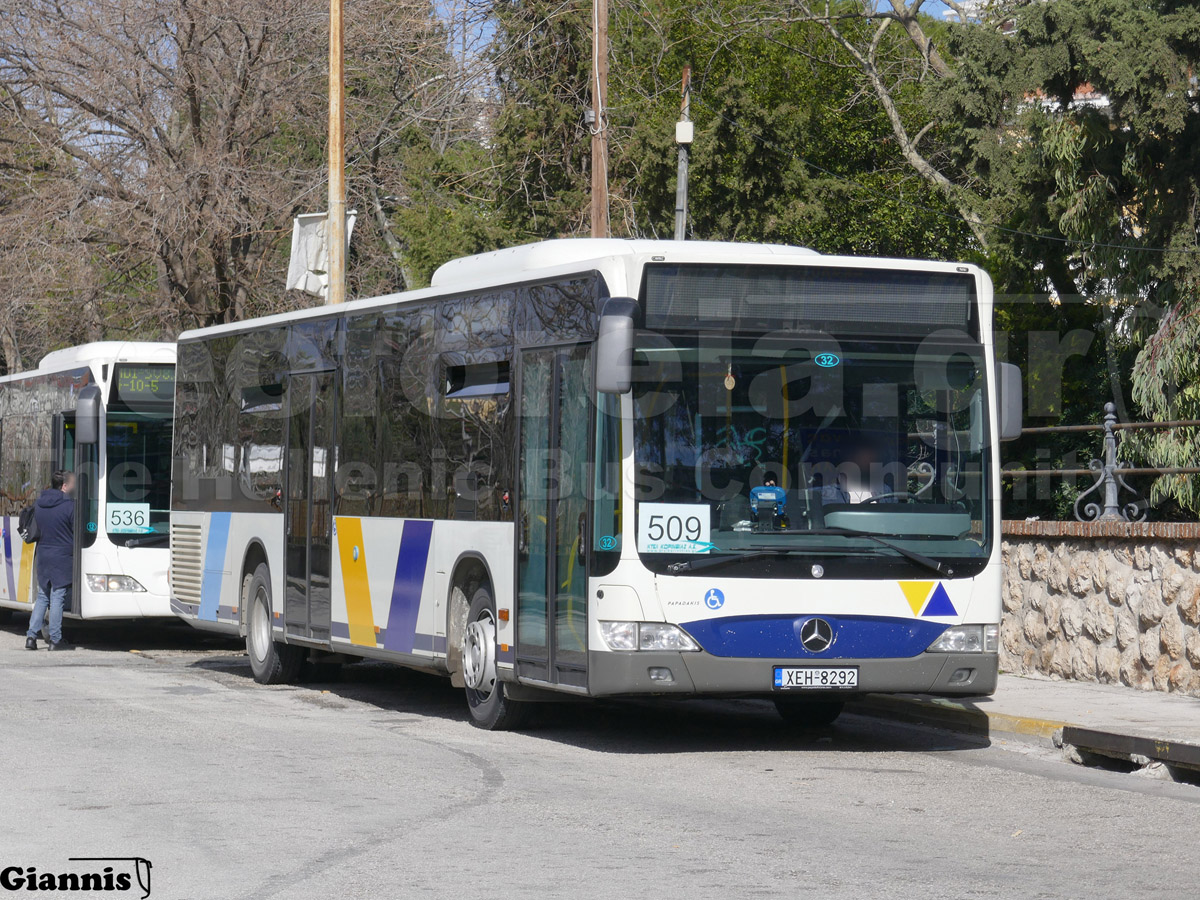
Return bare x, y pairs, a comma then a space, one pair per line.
674, 527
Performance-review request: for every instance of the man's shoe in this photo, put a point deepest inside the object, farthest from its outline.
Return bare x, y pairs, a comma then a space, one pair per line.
30, 643
61, 645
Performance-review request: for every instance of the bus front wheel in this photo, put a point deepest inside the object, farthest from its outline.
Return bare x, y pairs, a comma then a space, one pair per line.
808, 713
490, 707
270, 661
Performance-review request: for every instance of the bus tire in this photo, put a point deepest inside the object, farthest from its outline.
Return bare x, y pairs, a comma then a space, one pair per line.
808, 713
490, 707
270, 661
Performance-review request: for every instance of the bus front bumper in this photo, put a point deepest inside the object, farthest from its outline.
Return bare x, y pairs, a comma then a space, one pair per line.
612, 674
123, 605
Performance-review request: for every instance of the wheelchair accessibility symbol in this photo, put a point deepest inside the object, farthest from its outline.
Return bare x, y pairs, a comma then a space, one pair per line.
714, 599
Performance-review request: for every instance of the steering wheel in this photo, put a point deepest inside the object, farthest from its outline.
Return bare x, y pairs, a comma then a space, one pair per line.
893, 495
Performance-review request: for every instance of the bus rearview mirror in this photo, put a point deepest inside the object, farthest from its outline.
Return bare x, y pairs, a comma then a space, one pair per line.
87, 416
1011, 409
614, 346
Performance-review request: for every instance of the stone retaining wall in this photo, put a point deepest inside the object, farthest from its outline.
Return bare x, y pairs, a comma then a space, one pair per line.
1114, 603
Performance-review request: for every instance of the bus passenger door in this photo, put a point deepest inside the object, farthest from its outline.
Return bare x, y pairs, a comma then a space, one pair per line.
307, 515
551, 516
82, 436
62, 456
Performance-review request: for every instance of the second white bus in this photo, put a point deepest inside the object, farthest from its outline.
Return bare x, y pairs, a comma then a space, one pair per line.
104, 411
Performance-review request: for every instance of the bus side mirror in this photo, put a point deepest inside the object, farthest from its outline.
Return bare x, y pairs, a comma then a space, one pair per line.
87, 416
1009, 400
614, 346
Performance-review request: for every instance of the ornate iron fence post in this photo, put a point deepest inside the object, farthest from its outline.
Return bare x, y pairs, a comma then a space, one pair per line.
1108, 476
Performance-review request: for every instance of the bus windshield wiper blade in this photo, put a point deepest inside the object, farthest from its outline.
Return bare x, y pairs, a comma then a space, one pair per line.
919, 558
148, 539
707, 562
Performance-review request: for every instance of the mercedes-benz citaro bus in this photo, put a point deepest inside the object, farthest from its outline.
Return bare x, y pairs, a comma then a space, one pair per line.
609, 468
103, 411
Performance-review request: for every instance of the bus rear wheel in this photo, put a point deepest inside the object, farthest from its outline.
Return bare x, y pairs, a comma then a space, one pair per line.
808, 713
490, 707
270, 661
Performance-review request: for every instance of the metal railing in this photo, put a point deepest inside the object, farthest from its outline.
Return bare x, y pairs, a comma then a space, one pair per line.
1109, 471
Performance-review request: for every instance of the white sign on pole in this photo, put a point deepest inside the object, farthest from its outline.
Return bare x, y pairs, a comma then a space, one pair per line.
308, 269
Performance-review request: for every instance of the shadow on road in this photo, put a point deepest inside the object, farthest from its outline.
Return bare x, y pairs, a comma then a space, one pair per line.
643, 726
124, 635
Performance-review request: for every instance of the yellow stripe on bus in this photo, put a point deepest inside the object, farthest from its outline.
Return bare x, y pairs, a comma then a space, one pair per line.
26, 576
354, 581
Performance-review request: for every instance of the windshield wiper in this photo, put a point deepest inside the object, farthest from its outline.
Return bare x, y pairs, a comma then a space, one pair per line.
919, 558
707, 562
148, 540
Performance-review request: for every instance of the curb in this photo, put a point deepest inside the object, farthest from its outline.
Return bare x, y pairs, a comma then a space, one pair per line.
960, 716
1120, 745
963, 717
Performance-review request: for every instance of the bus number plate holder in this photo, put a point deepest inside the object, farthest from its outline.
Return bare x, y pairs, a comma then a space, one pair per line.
816, 678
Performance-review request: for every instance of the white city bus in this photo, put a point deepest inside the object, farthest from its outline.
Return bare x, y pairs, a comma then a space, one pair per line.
102, 410
609, 468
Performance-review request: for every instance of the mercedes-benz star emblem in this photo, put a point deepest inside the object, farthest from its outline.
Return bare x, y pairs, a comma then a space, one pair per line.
816, 635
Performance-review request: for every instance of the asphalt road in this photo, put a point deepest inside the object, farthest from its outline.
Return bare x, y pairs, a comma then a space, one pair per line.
155, 742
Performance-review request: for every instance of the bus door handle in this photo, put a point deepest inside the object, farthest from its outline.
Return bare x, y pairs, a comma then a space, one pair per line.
582, 552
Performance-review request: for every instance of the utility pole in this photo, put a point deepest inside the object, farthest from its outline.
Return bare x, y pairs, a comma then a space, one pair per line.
599, 118
335, 225
683, 137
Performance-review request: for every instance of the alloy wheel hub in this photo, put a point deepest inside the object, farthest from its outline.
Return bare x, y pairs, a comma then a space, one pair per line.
479, 655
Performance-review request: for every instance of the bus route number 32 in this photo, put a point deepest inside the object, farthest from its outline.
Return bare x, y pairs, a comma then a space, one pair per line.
128, 518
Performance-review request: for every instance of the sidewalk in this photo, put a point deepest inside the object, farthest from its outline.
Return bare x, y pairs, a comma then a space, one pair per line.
1106, 719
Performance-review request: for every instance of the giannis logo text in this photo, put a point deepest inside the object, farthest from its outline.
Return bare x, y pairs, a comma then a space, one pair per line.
83, 874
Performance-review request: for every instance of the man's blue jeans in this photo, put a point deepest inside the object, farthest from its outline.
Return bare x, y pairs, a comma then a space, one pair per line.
58, 596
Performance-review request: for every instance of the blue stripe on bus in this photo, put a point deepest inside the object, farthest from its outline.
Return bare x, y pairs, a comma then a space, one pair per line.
778, 637
406, 589
8, 560
431, 643
214, 566
342, 630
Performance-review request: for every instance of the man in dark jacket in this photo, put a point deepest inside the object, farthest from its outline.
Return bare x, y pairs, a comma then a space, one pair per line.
55, 515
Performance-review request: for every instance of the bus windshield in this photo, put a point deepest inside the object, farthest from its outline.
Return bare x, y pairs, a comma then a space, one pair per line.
138, 496
797, 445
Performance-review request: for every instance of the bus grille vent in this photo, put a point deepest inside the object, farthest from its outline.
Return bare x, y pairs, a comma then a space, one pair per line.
187, 562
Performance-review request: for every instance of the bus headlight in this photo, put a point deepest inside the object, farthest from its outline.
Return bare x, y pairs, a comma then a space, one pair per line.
619, 635
965, 639
106, 583
991, 638
661, 636
646, 636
